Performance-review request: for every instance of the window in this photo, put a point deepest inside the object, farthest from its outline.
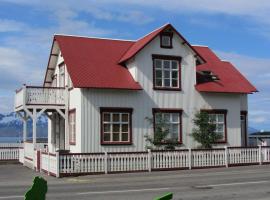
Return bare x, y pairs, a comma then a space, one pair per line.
72, 126
116, 125
166, 72
172, 119
218, 117
166, 40
62, 75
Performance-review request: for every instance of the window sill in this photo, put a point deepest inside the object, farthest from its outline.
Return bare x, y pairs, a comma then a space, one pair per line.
116, 143
166, 88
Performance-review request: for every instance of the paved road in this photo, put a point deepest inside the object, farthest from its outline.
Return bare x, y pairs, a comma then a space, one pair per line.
243, 183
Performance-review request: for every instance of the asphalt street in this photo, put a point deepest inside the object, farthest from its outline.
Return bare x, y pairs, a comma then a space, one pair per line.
243, 183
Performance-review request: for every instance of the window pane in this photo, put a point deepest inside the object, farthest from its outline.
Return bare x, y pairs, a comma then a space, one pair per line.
167, 82
158, 118
174, 64
124, 127
158, 64
116, 137
124, 137
116, 128
166, 74
124, 117
220, 118
166, 64
107, 117
107, 137
107, 127
158, 82
175, 117
174, 83
116, 117
175, 74
212, 117
165, 40
220, 128
158, 74
166, 117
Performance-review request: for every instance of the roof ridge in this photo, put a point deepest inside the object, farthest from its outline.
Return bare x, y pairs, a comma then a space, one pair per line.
154, 31
100, 38
198, 45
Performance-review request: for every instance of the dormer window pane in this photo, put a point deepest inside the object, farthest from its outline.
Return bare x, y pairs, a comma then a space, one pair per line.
166, 40
166, 73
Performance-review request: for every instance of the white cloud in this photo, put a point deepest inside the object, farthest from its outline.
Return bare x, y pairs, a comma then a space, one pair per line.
7, 25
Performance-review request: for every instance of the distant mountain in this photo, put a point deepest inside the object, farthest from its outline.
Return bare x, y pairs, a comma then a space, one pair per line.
252, 130
12, 126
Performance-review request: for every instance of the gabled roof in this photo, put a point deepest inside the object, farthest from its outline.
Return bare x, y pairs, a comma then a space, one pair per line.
93, 63
141, 43
231, 80
98, 63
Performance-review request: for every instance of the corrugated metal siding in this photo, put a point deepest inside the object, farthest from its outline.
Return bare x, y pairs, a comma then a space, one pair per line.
143, 101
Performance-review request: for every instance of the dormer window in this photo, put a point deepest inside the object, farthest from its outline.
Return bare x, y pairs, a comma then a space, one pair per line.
167, 72
166, 40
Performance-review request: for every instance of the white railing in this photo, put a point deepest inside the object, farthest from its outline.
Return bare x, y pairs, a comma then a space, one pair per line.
11, 144
21, 155
208, 158
49, 163
265, 154
170, 159
240, 155
32, 95
127, 161
67, 164
9, 153
81, 163
29, 152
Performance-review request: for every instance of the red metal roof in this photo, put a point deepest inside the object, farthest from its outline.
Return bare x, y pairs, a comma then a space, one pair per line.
97, 63
93, 63
231, 80
141, 43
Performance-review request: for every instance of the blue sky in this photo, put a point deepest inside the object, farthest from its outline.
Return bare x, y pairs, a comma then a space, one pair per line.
237, 30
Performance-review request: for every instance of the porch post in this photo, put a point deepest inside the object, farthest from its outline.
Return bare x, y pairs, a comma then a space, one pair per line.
66, 118
24, 129
34, 127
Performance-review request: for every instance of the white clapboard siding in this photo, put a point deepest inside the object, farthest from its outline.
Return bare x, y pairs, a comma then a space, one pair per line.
169, 159
128, 161
243, 155
208, 158
9, 153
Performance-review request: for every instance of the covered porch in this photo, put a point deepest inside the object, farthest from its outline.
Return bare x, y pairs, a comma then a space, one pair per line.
33, 101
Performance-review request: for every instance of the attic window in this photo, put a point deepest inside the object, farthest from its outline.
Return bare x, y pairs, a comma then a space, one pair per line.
166, 40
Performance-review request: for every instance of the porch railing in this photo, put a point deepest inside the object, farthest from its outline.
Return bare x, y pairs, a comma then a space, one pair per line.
34, 95
9, 153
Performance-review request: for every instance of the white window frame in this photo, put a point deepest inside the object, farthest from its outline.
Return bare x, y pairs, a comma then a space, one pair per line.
72, 126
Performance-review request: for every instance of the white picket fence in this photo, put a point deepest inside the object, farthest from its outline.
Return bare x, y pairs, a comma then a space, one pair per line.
68, 164
9, 153
88, 163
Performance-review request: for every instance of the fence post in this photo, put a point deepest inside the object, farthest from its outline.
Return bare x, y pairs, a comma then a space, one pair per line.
106, 162
149, 159
260, 154
189, 158
226, 156
57, 164
48, 163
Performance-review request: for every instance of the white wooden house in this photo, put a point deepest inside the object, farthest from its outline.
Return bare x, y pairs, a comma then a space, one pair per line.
97, 92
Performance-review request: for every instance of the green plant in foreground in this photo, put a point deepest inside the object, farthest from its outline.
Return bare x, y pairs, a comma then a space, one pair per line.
38, 190
205, 131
